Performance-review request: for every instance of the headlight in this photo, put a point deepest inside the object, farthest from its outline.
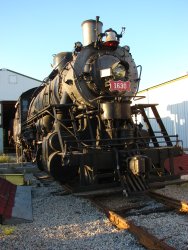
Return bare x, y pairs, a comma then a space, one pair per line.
106, 72
118, 71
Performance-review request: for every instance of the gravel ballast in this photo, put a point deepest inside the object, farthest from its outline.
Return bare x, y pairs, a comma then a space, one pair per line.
170, 228
65, 222
179, 192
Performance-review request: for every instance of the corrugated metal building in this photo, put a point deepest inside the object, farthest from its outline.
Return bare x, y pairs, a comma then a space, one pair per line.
172, 97
12, 84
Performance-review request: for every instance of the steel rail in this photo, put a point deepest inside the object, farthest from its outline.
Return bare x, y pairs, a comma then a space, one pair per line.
182, 206
145, 238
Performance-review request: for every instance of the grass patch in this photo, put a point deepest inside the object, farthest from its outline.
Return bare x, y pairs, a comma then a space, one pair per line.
7, 230
16, 179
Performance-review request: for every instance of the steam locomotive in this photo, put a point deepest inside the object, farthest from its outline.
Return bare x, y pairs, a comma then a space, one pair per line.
80, 125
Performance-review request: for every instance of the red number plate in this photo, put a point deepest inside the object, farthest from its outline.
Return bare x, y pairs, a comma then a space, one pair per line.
120, 86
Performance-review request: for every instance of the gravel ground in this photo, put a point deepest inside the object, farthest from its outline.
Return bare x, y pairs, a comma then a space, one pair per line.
179, 192
64, 222
171, 228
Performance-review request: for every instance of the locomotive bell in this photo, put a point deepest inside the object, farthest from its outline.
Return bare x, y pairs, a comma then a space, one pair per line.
90, 30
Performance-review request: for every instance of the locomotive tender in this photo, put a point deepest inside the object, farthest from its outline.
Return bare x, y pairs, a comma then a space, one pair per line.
80, 126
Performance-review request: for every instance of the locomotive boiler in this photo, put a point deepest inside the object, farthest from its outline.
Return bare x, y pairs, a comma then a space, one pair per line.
80, 125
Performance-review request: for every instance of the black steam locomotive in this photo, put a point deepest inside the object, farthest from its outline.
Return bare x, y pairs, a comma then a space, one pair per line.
80, 126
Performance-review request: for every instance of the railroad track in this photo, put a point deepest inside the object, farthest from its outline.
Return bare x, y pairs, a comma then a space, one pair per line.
145, 215
121, 221
179, 205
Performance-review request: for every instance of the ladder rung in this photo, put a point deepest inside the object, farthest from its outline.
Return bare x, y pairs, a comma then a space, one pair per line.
153, 118
159, 132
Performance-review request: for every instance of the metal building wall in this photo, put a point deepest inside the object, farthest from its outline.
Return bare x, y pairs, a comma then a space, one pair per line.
172, 98
12, 84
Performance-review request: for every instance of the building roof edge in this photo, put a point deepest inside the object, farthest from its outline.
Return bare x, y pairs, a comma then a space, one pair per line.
164, 83
4, 69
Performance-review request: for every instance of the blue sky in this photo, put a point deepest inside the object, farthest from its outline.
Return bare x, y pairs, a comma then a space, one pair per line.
156, 31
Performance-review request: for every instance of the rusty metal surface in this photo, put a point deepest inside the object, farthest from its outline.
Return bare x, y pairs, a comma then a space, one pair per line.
181, 205
144, 237
152, 217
